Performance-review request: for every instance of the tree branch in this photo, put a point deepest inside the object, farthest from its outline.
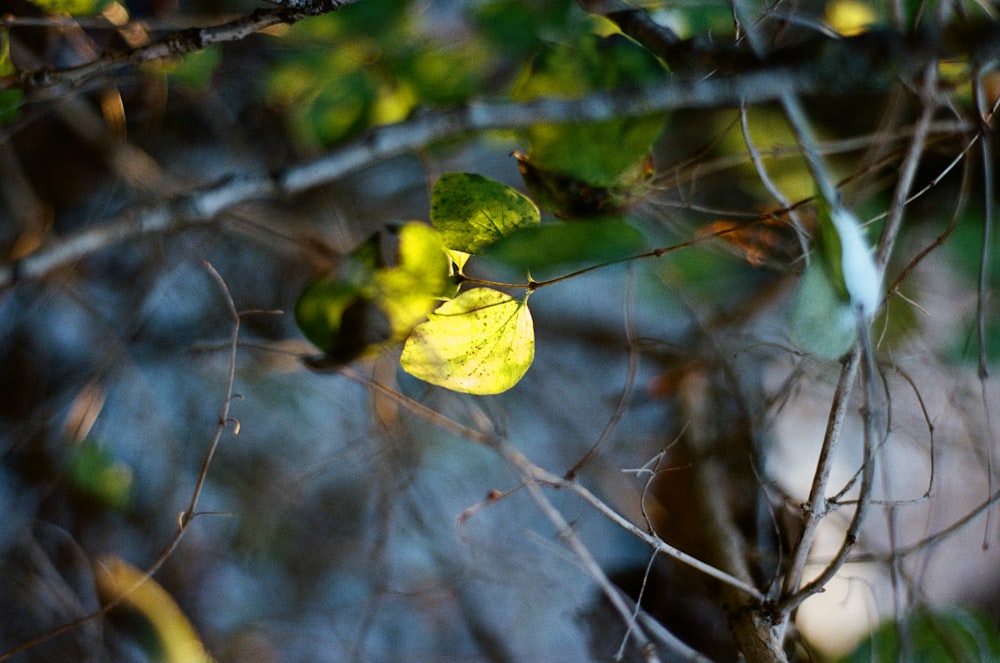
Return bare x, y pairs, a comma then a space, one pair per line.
48, 82
768, 83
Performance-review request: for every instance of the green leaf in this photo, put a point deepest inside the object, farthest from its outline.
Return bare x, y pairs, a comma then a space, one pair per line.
335, 311
824, 323
411, 290
71, 7
599, 154
481, 342
519, 29
197, 68
471, 211
10, 100
950, 635
336, 316
94, 472
598, 241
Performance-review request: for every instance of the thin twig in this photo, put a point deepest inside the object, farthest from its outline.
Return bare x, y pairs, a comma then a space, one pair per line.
936, 537
544, 476
864, 352
983, 279
626, 394
816, 508
769, 184
185, 518
48, 82
908, 170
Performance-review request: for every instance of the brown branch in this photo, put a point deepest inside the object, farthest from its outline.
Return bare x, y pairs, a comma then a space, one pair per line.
56, 81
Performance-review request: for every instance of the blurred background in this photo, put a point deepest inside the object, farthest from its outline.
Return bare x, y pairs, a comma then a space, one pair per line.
337, 526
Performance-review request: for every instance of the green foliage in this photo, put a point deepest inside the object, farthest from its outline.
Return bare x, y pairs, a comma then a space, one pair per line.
965, 251
366, 302
93, 471
335, 315
776, 144
823, 322
71, 7
383, 66
518, 29
408, 291
598, 154
569, 197
197, 68
10, 100
481, 342
951, 636
472, 212
841, 282
536, 248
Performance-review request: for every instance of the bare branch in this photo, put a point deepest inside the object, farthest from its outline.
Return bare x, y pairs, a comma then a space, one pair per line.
48, 82
186, 517
816, 508
543, 476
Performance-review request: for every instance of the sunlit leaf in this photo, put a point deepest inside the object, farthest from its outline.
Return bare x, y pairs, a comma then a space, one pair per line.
481, 342
850, 17
471, 211
824, 323
411, 289
539, 247
176, 640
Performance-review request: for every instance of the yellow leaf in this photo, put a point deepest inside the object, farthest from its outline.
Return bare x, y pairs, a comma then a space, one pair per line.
481, 342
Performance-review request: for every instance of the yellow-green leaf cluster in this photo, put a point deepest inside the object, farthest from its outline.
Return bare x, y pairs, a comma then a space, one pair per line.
408, 291
478, 341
